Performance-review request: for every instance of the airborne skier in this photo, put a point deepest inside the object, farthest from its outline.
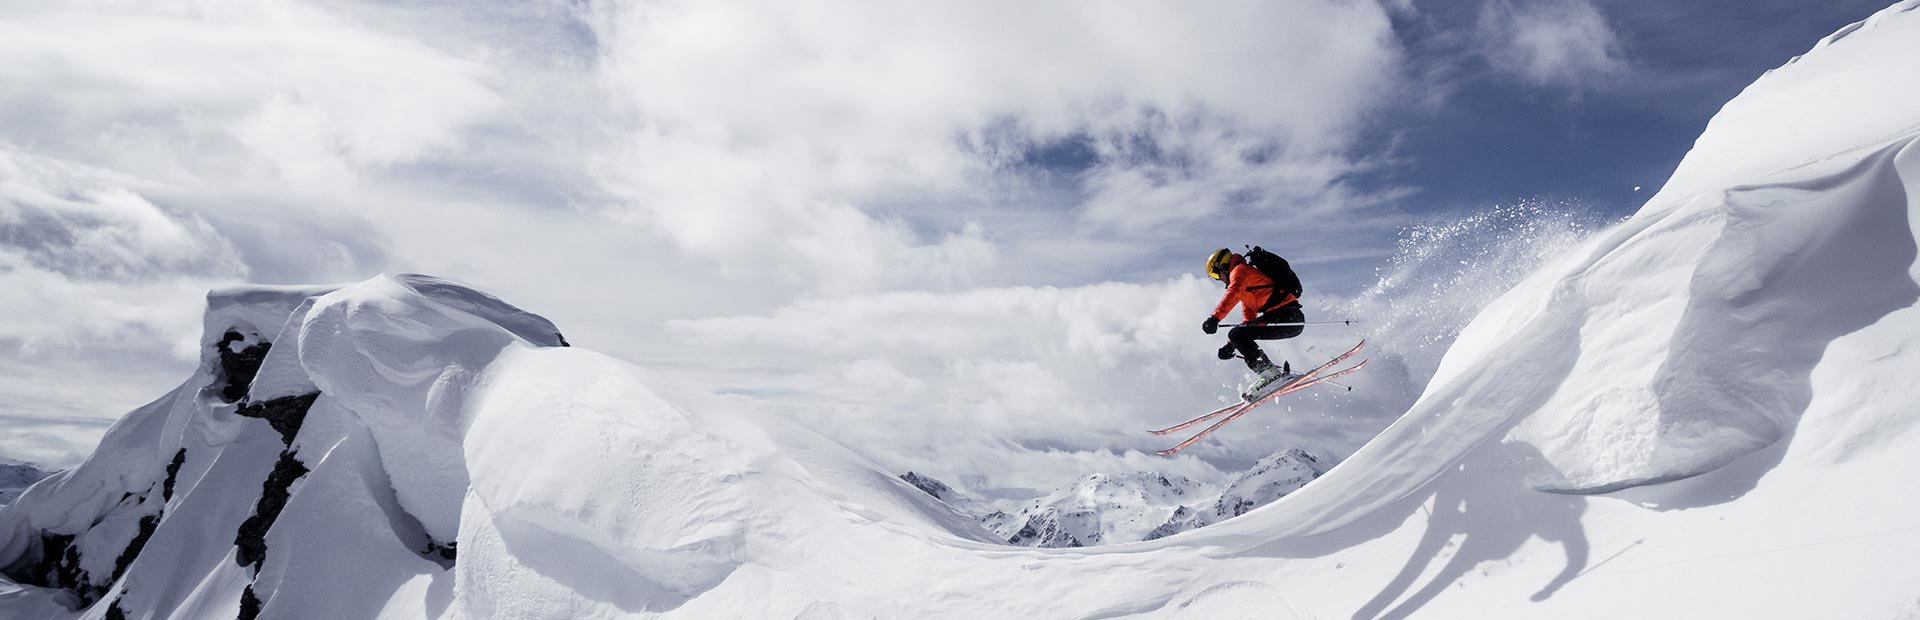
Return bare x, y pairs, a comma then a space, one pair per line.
1268, 293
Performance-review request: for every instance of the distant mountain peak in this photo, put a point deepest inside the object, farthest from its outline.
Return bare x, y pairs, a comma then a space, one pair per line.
1109, 508
16, 476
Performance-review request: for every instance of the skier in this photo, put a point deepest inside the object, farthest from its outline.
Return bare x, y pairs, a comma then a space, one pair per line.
1263, 303
1268, 293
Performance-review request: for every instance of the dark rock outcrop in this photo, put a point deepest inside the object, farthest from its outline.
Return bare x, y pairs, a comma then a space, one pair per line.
274, 493
1045, 532
173, 472
249, 604
444, 554
284, 413
58, 565
939, 490
148, 524
237, 368
58, 560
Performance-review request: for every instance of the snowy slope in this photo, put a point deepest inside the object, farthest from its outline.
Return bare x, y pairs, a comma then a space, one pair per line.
1705, 412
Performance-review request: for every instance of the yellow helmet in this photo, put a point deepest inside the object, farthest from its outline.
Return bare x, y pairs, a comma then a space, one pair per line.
1218, 264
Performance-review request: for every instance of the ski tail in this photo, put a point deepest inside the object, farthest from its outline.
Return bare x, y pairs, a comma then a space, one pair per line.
1189, 423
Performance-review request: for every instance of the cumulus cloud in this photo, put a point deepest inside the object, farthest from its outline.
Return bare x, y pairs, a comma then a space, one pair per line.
215, 91
150, 151
1051, 383
1562, 43
102, 291
87, 260
804, 124
875, 196
1029, 387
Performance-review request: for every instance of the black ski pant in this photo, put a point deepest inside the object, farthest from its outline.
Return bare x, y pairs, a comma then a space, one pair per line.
1243, 337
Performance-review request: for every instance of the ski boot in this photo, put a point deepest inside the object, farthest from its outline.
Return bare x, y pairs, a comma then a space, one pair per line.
1268, 375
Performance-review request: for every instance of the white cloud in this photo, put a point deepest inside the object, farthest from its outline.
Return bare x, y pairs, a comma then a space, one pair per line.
783, 126
150, 151
1566, 43
1035, 386
214, 91
86, 261
852, 180
102, 292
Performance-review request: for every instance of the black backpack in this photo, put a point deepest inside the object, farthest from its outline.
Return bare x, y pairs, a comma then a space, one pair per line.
1276, 269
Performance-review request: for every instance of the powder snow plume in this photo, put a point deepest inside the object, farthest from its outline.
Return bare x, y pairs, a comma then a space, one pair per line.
1446, 269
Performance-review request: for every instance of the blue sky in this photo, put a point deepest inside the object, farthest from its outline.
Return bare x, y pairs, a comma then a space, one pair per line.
1495, 138
963, 236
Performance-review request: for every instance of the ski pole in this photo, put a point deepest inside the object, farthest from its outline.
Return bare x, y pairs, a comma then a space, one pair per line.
1296, 324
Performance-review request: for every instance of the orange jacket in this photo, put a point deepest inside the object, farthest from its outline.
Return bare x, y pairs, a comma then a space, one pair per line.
1252, 290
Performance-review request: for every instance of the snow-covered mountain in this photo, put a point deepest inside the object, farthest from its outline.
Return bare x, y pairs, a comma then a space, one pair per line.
264, 481
1096, 510
939, 490
1115, 508
1704, 412
1269, 479
16, 476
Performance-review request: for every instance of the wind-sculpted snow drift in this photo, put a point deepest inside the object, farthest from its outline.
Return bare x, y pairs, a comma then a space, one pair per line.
1702, 412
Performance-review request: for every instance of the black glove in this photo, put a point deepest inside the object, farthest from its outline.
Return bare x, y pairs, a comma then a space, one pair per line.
1226, 351
1212, 325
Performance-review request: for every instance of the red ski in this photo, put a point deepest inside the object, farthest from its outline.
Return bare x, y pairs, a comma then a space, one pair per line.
1303, 381
1244, 401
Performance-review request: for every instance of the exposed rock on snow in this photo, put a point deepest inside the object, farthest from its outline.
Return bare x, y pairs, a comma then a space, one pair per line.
250, 546
173, 474
939, 490
240, 357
